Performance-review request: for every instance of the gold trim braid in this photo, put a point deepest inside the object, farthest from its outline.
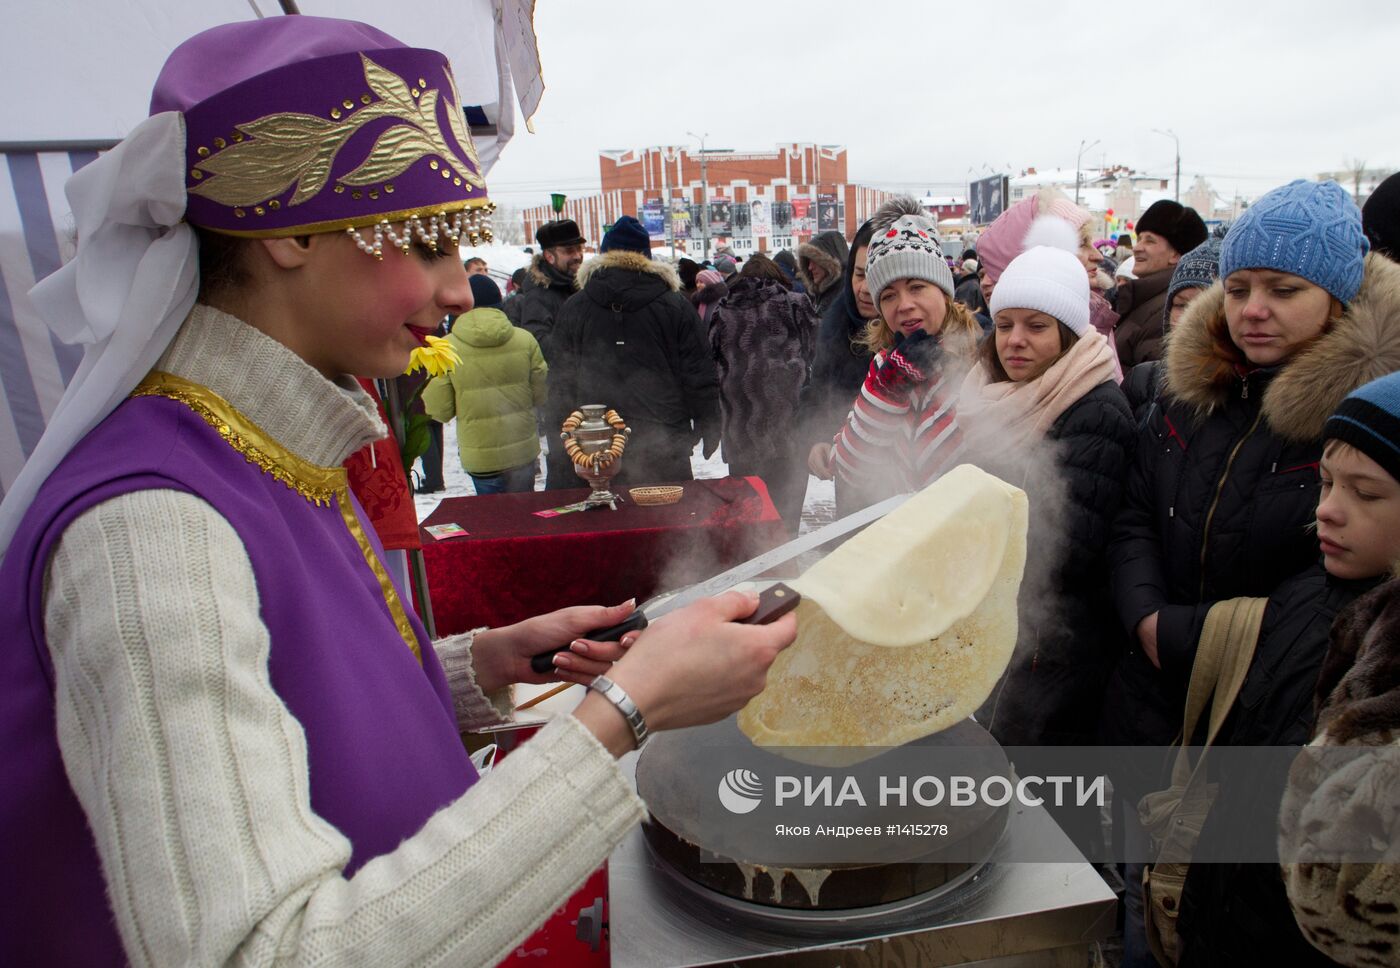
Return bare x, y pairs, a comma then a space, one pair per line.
391, 594
315, 483
319, 485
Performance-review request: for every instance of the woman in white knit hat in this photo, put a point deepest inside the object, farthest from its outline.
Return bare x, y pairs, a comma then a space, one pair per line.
1042, 410
902, 431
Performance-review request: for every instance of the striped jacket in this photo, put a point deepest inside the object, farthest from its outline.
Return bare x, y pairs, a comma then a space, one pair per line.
898, 440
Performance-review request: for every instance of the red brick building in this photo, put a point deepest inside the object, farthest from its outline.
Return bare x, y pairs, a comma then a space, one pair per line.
758, 201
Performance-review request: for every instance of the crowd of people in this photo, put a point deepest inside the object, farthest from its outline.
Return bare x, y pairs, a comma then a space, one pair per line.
1213, 421
244, 747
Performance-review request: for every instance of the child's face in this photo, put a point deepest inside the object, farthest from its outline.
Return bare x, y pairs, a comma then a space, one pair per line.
363, 316
1358, 515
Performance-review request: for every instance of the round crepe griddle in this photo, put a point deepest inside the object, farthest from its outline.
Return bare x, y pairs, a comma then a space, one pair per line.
752, 868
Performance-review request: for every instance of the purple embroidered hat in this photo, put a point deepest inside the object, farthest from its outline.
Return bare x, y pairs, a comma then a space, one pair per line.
302, 124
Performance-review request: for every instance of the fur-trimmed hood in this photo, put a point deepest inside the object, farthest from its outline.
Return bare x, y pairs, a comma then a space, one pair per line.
828, 250
1363, 345
627, 282
632, 261
544, 275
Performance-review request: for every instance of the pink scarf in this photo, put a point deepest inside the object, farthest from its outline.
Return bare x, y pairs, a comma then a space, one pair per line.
998, 417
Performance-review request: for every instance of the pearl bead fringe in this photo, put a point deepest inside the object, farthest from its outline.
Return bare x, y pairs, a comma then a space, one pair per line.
475, 225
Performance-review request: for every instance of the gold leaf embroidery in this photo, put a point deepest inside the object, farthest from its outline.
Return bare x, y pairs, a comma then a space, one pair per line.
300, 149
390, 87
397, 149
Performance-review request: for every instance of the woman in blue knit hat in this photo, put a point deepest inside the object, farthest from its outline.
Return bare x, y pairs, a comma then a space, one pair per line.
1223, 490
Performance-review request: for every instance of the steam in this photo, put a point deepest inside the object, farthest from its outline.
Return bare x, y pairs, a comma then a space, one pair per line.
1033, 465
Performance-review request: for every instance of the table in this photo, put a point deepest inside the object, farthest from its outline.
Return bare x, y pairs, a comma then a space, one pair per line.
513, 564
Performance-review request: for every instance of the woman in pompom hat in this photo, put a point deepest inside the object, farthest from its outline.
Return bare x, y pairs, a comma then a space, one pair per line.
902, 432
1041, 410
1018, 229
225, 735
1221, 495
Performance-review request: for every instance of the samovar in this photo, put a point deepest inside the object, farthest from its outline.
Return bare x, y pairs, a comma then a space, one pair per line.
595, 438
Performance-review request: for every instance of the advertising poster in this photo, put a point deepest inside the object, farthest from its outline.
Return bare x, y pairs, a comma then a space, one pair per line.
740, 215
802, 215
986, 199
759, 222
826, 213
653, 218
720, 216
680, 219
782, 217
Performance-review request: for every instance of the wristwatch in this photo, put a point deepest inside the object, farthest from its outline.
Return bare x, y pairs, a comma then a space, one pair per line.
616, 695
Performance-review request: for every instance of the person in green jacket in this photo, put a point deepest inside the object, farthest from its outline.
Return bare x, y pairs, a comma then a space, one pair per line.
493, 394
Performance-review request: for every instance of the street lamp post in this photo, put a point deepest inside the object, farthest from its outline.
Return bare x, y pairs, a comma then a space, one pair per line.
1172, 134
1078, 159
704, 192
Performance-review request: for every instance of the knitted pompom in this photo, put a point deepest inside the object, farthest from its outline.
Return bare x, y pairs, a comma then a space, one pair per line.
895, 209
1052, 231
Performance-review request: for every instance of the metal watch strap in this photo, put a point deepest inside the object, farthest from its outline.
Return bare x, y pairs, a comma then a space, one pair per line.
616, 695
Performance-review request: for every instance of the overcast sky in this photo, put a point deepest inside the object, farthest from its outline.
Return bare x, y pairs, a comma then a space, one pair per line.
920, 92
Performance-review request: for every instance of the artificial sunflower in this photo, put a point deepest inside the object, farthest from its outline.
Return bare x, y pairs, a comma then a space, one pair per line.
437, 357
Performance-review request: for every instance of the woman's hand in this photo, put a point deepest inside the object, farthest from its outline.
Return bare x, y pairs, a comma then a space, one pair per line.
502, 656
1147, 638
819, 461
692, 667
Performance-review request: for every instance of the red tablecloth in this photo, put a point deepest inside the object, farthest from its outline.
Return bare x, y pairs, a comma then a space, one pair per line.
513, 564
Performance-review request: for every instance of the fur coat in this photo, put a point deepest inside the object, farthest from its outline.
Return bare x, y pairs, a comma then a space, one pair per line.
1350, 911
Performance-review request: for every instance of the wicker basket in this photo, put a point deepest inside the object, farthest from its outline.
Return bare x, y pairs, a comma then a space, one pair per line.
668, 494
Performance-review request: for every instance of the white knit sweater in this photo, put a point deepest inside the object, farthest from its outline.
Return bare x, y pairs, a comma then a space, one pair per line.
194, 775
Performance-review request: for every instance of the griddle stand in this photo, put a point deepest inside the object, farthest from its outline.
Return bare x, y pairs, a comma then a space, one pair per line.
1009, 915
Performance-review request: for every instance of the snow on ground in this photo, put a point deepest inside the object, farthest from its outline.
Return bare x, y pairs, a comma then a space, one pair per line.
818, 509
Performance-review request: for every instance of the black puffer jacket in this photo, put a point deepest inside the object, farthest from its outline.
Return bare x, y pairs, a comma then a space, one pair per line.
537, 305
1068, 639
1235, 914
840, 367
1224, 487
630, 340
763, 337
829, 251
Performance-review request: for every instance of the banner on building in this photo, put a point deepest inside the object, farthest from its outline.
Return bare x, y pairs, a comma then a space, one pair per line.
827, 213
759, 222
721, 216
740, 214
680, 219
654, 218
986, 199
802, 215
697, 220
781, 214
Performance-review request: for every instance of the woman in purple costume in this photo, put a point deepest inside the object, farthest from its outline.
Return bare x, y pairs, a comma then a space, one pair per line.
224, 736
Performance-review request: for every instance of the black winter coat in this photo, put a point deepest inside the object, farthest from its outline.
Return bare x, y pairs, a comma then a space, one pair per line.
537, 305
1068, 640
630, 340
829, 251
763, 337
1235, 914
1224, 488
838, 371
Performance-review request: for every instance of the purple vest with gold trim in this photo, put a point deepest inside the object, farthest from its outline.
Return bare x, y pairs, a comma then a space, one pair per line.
381, 737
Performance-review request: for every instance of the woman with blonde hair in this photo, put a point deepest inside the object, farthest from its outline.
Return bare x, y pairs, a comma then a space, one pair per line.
902, 431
